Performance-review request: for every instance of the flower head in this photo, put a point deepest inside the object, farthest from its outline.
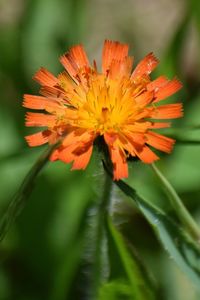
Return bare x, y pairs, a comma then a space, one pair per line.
121, 105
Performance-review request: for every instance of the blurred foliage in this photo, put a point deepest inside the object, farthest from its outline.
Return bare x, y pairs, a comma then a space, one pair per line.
56, 246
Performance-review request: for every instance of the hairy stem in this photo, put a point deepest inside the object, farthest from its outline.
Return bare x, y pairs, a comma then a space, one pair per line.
101, 216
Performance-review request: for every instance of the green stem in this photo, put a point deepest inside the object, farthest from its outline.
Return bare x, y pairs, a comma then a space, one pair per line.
179, 207
101, 217
19, 199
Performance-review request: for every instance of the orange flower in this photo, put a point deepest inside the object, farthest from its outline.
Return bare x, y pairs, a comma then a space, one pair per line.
116, 103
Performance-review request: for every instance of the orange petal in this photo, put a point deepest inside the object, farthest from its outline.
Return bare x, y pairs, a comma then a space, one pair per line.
147, 155
76, 143
145, 67
35, 119
77, 53
44, 77
52, 92
55, 154
144, 113
136, 137
160, 142
113, 51
40, 102
167, 90
157, 83
144, 98
81, 161
66, 82
77, 136
120, 167
75, 60
120, 68
157, 125
65, 154
110, 138
77, 152
168, 111
38, 138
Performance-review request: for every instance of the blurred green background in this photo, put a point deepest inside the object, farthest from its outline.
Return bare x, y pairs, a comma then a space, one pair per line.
48, 252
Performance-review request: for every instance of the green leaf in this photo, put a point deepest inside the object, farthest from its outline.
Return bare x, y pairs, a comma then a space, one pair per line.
20, 198
179, 208
127, 279
71, 235
115, 289
174, 239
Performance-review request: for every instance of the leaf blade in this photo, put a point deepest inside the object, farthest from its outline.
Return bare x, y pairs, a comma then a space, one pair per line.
174, 239
127, 280
18, 201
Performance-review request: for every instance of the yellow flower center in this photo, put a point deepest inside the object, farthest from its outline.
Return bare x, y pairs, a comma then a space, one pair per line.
105, 106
